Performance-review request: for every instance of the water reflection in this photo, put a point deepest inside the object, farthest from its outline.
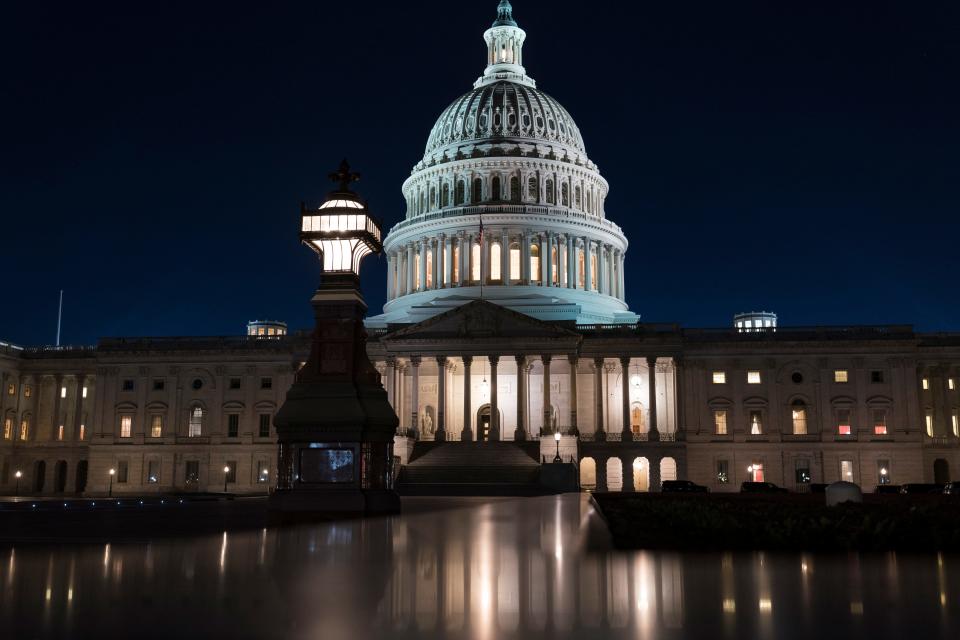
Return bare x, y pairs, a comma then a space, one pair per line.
496, 569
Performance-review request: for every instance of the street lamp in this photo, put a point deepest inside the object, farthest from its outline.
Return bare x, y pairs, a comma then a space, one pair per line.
113, 472
18, 475
556, 436
226, 471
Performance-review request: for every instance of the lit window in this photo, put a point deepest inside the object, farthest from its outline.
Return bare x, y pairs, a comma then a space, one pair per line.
755, 472
475, 263
843, 422
955, 420
841, 375
11, 389
534, 263
514, 261
27, 391
126, 422
416, 275
195, 427
929, 424
846, 470
720, 422
429, 269
926, 384
883, 471
879, 422
24, 429
156, 426
756, 422
83, 432
753, 377
60, 433
8, 428
719, 377
951, 384
456, 263
593, 271
84, 392
799, 417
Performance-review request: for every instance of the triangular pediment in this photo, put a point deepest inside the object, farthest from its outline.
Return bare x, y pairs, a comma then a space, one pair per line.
482, 320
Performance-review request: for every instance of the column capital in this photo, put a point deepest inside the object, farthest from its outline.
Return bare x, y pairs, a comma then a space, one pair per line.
651, 361
391, 361
494, 360
467, 360
415, 361
598, 362
521, 360
546, 358
573, 359
624, 361
441, 360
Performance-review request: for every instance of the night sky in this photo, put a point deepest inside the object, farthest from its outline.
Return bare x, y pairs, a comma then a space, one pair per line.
800, 157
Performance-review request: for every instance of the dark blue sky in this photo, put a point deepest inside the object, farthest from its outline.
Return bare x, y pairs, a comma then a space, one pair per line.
800, 157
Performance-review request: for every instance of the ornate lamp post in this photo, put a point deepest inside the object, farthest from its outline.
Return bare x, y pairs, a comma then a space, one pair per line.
556, 436
112, 472
18, 475
335, 430
226, 474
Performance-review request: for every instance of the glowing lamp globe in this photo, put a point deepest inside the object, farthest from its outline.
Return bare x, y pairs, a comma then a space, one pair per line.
341, 230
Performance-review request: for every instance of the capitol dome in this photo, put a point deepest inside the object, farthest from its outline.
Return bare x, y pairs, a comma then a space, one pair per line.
506, 206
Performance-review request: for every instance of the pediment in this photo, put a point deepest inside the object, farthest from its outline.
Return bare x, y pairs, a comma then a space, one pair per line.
482, 320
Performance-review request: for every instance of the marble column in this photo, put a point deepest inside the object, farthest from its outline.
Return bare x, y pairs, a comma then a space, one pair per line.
571, 263
587, 266
525, 258
545, 259
485, 258
424, 245
600, 433
468, 260
626, 431
494, 412
447, 262
626, 464
441, 398
391, 276
547, 407
601, 268
623, 264
654, 433
415, 394
437, 244
505, 258
467, 433
411, 262
521, 431
391, 372
573, 395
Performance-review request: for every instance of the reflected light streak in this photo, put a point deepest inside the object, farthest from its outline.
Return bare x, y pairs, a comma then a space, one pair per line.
223, 553
729, 605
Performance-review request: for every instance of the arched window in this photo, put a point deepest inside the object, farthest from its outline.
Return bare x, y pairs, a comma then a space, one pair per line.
581, 266
423, 202
456, 263
565, 195
515, 261
477, 195
554, 266
515, 189
196, 422
475, 263
551, 196
636, 418
459, 194
446, 195
495, 189
429, 268
495, 261
590, 201
576, 197
535, 262
798, 412
533, 190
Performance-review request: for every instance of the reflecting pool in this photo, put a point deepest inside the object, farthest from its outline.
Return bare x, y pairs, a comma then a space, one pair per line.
465, 568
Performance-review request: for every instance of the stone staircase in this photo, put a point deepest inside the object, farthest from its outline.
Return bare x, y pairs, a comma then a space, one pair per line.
472, 468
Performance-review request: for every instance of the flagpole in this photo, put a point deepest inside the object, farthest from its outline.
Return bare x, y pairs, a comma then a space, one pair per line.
59, 317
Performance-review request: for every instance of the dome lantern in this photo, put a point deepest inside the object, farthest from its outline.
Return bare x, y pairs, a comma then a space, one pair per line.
505, 50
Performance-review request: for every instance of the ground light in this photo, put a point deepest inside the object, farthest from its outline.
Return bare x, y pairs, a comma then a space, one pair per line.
113, 472
226, 475
556, 436
18, 475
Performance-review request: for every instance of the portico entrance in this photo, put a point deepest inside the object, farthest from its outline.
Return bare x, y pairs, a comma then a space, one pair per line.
483, 423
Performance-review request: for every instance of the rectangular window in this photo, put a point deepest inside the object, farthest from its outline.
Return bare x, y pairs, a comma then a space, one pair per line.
159, 384
27, 391
24, 429
60, 433
126, 424
720, 422
195, 427
192, 472
63, 392
84, 392
846, 470
263, 471
719, 377
153, 472
925, 382
955, 420
876, 377
83, 432
126, 385
156, 426
233, 425
264, 425
880, 422
756, 471
841, 375
123, 470
843, 422
723, 471
8, 428
883, 472
756, 422
929, 424
951, 384
802, 471
266, 383
11, 389
234, 383
232, 473
799, 416
753, 377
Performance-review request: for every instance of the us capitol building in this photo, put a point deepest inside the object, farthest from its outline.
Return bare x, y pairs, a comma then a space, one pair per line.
506, 320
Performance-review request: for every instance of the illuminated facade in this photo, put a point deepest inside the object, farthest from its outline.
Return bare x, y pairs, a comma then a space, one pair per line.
507, 335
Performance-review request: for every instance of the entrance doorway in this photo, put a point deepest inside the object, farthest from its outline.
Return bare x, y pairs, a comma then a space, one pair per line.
941, 471
483, 423
81, 476
39, 475
60, 476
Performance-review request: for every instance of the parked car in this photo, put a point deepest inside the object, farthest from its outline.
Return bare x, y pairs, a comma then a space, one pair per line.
917, 488
761, 487
682, 486
952, 489
887, 488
